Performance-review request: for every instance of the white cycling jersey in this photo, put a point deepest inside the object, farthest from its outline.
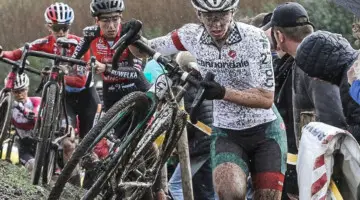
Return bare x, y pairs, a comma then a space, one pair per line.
244, 62
21, 123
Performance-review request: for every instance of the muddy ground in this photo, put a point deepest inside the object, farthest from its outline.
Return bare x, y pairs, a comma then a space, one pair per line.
15, 183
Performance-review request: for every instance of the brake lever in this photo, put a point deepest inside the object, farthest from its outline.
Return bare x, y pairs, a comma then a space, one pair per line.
23, 57
92, 66
199, 98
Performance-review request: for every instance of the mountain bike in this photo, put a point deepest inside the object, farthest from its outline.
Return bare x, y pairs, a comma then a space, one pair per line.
131, 169
47, 130
7, 99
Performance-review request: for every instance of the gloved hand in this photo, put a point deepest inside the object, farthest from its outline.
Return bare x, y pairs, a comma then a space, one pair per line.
1, 52
45, 71
213, 90
30, 115
19, 105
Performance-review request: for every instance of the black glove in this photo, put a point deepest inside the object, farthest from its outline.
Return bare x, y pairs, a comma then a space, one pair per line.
29, 115
213, 90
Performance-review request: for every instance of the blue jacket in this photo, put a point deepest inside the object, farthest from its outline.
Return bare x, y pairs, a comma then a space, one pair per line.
355, 91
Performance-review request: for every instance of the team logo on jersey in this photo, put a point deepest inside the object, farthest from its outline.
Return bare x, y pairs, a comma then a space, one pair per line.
101, 46
232, 54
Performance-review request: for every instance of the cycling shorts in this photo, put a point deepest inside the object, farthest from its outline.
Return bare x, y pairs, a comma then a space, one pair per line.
260, 150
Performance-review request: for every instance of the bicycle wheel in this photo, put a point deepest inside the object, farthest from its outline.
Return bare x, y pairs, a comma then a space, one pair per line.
46, 116
49, 165
139, 173
136, 103
5, 116
126, 159
51, 151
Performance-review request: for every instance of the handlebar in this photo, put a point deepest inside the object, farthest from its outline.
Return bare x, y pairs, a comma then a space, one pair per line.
128, 38
17, 64
52, 57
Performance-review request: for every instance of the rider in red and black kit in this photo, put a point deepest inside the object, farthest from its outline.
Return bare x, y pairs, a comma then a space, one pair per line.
99, 39
81, 98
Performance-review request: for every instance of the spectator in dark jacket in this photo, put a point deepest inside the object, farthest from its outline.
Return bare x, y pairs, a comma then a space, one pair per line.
296, 92
329, 56
199, 144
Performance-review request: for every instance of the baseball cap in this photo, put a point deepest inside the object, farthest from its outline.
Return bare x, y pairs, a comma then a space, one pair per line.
287, 15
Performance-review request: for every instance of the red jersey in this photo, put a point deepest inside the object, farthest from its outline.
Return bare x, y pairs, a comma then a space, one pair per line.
77, 78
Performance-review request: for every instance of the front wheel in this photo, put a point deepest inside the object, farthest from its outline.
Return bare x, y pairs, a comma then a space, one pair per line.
133, 106
140, 173
46, 115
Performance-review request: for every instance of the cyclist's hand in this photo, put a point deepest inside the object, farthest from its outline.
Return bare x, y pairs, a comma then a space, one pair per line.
45, 71
19, 105
29, 115
100, 67
213, 90
1, 52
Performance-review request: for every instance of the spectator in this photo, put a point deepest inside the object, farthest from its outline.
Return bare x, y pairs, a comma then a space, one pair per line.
329, 56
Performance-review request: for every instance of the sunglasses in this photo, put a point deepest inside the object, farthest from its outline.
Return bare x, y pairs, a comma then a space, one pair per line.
59, 27
19, 91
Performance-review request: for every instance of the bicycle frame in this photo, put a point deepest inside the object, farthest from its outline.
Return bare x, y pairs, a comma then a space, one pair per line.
45, 132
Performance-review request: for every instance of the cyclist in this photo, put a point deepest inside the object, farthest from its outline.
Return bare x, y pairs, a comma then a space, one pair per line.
24, 113
99, 39
59, 17
248, 133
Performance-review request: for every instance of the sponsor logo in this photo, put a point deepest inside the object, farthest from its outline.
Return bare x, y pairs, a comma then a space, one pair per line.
319, 134
232, 64
232, 54
100, 46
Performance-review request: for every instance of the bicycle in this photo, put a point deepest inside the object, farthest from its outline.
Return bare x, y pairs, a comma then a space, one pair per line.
7, 99
47, 128
134, 162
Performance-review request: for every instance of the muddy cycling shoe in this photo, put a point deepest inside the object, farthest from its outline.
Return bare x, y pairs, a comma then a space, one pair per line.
90, 161
29, 165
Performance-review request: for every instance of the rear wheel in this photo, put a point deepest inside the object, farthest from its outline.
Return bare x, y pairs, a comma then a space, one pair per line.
133, 106
5, 116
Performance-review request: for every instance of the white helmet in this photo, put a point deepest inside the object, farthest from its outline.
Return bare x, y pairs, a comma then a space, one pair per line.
214, 5
98, 7
22, 81
59, 13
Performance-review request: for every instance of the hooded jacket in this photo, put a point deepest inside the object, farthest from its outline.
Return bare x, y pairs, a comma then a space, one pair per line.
329, 56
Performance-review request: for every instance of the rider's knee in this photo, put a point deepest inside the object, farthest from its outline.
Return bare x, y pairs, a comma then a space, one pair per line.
229, 181
267, 194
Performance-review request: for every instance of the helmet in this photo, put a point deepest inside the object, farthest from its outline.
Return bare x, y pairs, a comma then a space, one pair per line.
22, 81
59, 13
214, 5
98, 7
